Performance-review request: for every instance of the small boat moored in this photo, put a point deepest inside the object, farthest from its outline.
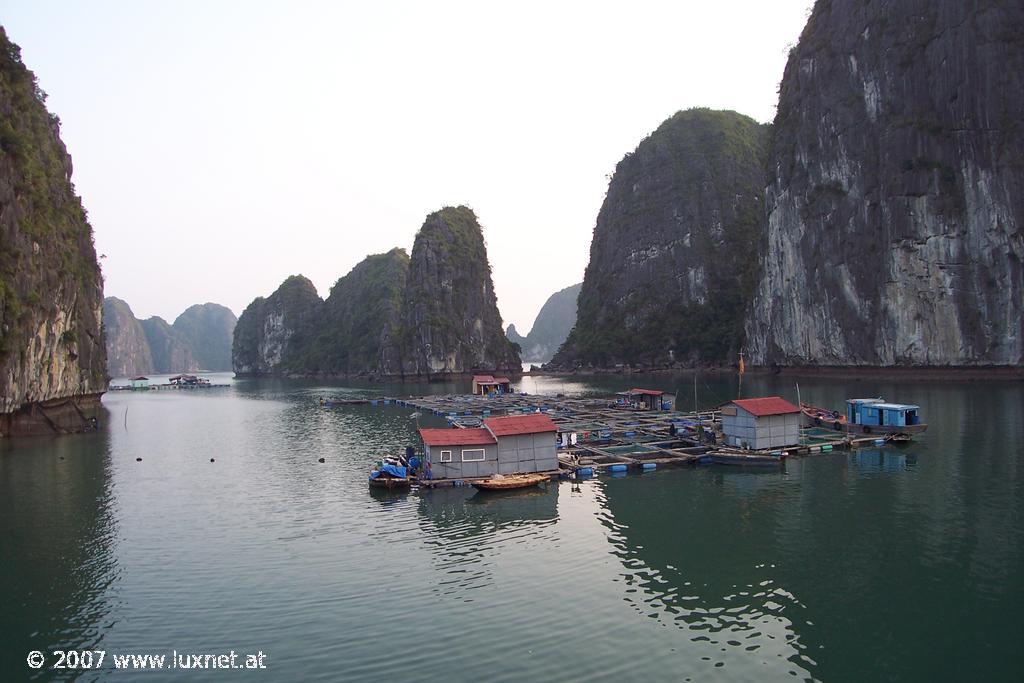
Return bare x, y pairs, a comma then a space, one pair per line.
509, 481
868, 416
746, 459
389, 476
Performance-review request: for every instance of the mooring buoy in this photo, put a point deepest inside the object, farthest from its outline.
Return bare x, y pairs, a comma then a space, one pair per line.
138, 459
321, 460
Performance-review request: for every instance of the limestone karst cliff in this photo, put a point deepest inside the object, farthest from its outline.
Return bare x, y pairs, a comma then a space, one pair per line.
895, 203
209, 330
128, 350
673, 261
450, 319
360, 324
551, 327
392, 316
199, 340
52, 354
273, 334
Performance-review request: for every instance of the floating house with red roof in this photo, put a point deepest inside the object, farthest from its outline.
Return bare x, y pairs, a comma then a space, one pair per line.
489, 384
761, 423
504, 445
644, 399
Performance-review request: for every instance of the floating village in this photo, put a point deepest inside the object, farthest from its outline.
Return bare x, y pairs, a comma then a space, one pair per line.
499, 438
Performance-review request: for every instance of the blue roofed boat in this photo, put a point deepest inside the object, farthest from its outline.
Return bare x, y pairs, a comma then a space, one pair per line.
869, 416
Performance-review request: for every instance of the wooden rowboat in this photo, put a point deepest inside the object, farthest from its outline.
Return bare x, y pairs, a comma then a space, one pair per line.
507, 482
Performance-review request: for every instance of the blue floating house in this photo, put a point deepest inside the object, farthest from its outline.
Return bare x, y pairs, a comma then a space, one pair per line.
869, 415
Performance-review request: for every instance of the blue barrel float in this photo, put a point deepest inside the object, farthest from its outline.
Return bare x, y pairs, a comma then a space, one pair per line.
585, 472
617, 468
650, 466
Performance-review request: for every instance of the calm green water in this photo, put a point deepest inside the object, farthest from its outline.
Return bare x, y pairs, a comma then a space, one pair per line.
877, 565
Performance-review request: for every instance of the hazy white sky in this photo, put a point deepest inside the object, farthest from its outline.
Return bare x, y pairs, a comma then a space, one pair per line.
221, 146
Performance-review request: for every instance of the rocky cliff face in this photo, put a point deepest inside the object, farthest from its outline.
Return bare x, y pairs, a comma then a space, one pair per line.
450, 318
554, 321
896, 195
209, 330
391, 316
673, 262
199, 339
273, 335
171, 351
360, 327
51, 290
128, 352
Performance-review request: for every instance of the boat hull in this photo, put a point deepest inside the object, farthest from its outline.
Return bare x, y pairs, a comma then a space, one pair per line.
509, 483
744, 460
390, 483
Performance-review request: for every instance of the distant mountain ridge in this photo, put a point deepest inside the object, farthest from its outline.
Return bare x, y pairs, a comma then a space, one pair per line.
551, 327
199, 339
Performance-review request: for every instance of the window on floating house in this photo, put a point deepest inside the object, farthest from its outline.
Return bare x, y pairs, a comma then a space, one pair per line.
473, 454
446, 456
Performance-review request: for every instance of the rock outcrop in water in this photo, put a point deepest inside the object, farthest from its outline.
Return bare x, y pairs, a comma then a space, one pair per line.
274, 334
170, 350
392, 316
52, 356
128, 351
209, 330
554, 321
896, 194
450, 319
673, 262
360, 325
200, 339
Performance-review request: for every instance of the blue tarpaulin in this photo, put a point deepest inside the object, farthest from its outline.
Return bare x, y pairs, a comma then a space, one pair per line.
393, 470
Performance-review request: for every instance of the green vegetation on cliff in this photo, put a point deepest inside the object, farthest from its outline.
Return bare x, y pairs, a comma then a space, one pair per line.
51, 290
360, 318
673, 262
450, 319
391, 315
275, 334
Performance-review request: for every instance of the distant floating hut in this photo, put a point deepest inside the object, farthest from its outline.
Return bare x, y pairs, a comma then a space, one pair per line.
761, 423
140, 382
644, 399
188, 380
488, 384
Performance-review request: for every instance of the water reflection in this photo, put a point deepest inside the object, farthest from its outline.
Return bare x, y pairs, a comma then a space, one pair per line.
58, 539
468, 531
696, 563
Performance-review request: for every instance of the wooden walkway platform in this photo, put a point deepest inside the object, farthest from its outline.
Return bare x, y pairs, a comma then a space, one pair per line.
600, 433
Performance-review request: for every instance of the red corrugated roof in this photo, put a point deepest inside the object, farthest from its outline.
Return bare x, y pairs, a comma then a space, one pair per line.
502, 380
771, 405
648, 392
482, 378
520, 424
456, 437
